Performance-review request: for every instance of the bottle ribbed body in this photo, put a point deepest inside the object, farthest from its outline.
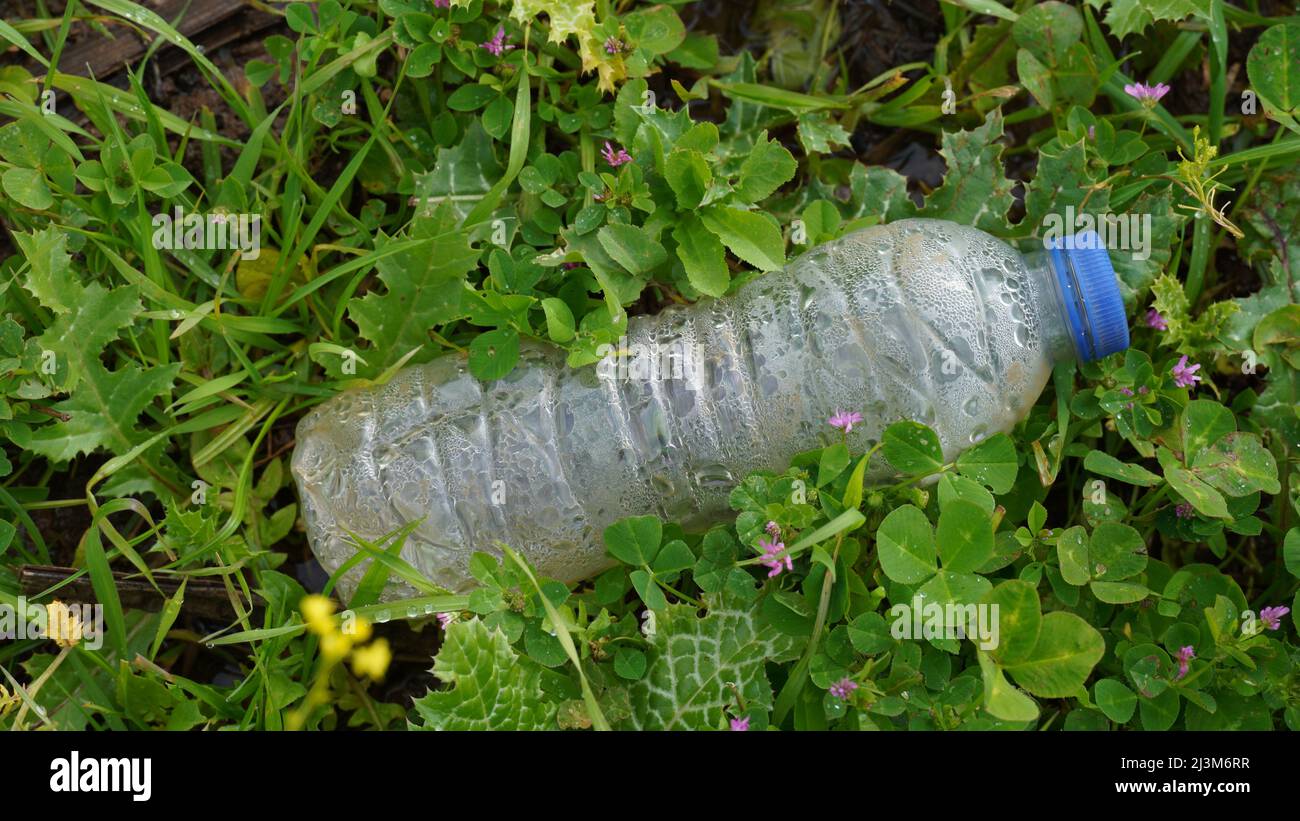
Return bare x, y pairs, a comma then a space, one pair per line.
919, 319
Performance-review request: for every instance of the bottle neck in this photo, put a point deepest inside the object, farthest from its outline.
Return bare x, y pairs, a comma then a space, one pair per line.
1057, 331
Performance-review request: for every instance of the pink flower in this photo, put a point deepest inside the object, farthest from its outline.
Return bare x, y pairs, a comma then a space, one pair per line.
740, 725
1147, 95
441, 4
772, 557
497, 45
1183, 511
1184, 657
615, 158
1272, 616
613, 45
843, 688
446, 619
1184, 374
845, 420
1155, 320
773, 530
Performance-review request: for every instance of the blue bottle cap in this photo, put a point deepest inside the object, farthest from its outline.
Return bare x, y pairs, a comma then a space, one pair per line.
1091, 295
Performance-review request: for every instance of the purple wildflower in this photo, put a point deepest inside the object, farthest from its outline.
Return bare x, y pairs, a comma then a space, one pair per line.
843, 688
772, 557
445, 619
740, 725
1184, 374
773, 530
1155, 320
1145, 94
845, 420
613, 45
1184, 657
615, 158
1272, 616
442, 4
497, 45
1183, 511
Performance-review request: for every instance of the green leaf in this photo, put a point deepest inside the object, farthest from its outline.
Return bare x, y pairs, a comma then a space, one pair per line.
103, 412
471, 97
912, 448
1273, 66
635, 540
50, 277
1103, 464
953, 487
1203, 422
703, 256
819, 134
1119, 592
1161, 712
946, 587
1291, 551
1019, 619
424, 290
646, 588
559, 320
1036, 78
975, 191
992, 462
632, 247
1200, 495
965, 536
768, 167
835, 458
1116, 552
747, 234
489, 686
1001, 699
688, 174
1064, 655
1238, 465
629, 663
27, 187
1114, 699
1048, 30
697, 666
905, 544
493, 354
1072, 556
674, 557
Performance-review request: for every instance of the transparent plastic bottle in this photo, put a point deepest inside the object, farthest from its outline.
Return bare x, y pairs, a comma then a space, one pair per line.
919, 319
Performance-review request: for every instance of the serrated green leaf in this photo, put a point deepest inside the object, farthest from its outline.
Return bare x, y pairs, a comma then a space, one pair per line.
489, 686
768, 167
424, 290
694, 664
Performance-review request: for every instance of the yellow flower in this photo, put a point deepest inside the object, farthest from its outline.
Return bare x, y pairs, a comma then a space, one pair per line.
63, 626
372, 660
318, 612
356, 628
334, 646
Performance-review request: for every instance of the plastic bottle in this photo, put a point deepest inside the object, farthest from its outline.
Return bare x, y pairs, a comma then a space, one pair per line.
919, 319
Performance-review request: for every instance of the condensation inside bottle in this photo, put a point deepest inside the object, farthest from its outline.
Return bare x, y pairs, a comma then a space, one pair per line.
919, 319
